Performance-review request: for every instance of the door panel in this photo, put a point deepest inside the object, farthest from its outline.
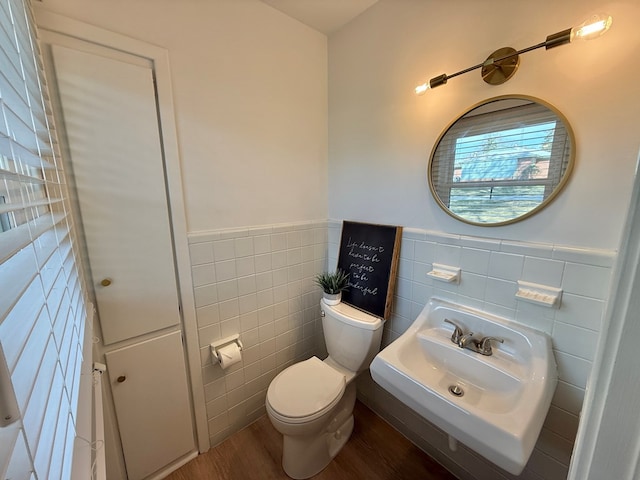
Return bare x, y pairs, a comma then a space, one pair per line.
111, 122
150, 393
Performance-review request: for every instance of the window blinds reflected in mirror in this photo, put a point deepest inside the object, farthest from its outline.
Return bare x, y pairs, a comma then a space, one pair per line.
501, 161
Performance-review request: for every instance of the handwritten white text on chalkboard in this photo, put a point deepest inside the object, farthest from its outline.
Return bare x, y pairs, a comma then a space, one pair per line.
364, 257
364, 290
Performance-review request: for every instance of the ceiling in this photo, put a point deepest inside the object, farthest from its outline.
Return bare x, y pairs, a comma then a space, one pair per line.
326, 16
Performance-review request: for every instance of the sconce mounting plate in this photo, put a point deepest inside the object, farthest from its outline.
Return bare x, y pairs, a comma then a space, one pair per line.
500, 66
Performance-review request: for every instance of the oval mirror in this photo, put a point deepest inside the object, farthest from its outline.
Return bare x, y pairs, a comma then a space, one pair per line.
501, 161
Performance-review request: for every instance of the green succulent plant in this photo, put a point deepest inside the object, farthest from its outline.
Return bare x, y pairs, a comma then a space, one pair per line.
333, 283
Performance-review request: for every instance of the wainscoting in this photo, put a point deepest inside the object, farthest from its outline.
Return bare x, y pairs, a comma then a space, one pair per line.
259, 282
491, 269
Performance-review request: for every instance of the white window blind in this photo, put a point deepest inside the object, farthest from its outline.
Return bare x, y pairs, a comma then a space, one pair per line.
42, 300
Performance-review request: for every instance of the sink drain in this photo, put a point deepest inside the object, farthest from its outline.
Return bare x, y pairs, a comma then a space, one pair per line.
456, 391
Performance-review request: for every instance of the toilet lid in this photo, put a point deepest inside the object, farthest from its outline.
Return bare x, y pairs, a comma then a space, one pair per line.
305, 389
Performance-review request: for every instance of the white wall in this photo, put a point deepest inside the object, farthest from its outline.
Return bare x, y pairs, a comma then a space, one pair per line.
257, 156
380, 139
250, 87
250, 100
607, 441
381, 134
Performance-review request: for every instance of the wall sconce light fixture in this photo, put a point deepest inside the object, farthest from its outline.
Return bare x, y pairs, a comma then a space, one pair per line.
502, 64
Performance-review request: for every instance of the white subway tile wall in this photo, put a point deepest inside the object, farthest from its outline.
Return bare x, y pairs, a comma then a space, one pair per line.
257, 282
490, 271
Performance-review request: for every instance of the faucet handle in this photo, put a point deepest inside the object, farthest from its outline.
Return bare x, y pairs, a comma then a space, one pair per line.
458, 331
484, 345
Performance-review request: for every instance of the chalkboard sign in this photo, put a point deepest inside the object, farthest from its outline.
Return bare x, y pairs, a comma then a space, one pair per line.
369, 254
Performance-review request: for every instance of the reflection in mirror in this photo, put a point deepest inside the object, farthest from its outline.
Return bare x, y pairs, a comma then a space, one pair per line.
501, 161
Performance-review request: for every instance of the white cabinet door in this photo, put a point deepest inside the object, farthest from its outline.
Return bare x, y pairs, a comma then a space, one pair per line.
151, 397
111, 123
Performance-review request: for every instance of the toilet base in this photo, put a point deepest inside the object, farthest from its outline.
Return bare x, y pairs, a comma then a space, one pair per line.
303, 458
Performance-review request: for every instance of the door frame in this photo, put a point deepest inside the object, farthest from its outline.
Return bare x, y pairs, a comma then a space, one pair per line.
159, 56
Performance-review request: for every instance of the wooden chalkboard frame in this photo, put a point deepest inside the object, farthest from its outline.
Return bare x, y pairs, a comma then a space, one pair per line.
369, 253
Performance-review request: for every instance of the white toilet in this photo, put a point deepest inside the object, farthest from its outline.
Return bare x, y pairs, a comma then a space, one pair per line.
311, 403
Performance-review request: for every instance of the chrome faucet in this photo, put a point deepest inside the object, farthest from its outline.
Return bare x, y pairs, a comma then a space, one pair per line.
467, 340
458, 331
481, 346
485, 345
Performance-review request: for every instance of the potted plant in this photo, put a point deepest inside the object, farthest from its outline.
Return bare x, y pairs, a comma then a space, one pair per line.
333, 284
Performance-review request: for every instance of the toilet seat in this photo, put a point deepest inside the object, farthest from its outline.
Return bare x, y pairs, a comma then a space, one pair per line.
305, 391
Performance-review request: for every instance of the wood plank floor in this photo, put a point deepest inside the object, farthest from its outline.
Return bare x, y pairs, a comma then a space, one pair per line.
375, 451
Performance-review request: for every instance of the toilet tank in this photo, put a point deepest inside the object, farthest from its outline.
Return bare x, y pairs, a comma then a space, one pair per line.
351, 335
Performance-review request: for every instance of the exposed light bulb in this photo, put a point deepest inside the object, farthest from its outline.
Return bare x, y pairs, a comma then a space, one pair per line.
433, 83
421, 89
592, 27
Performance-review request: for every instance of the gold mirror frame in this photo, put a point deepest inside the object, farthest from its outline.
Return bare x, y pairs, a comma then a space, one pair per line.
542, 172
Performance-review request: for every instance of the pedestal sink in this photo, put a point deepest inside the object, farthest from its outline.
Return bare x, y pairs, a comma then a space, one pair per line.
495, 404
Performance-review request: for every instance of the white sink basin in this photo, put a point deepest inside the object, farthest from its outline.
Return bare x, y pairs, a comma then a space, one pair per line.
505, 396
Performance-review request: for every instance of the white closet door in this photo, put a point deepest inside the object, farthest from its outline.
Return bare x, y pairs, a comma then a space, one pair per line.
150, 393
111, 121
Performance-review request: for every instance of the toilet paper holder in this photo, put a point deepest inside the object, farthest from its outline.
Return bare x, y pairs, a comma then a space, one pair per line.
215, 346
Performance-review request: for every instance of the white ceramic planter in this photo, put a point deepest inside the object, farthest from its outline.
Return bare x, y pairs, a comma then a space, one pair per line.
332, 298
